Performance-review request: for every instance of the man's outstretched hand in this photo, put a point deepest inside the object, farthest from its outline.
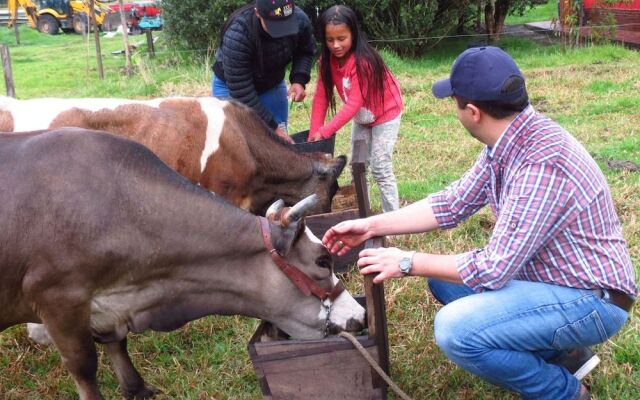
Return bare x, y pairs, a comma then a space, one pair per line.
346, 235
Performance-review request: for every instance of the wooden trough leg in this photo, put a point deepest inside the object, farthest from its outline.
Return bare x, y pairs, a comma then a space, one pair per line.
374, 293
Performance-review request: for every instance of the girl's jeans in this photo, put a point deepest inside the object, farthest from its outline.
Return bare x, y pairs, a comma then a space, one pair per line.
506, 336
274, 100
380, 140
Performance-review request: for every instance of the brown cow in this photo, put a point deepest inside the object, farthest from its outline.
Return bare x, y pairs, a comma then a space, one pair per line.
224, 146
100, 238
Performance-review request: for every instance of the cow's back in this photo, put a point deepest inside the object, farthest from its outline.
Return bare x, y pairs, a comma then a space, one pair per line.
73, 204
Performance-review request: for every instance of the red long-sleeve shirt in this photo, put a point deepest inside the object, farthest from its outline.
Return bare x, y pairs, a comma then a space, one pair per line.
346, 82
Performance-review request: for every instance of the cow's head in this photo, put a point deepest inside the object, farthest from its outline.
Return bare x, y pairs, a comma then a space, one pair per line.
324, 183
301, 315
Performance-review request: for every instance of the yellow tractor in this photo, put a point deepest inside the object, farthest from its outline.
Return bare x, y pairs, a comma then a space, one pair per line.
49, 16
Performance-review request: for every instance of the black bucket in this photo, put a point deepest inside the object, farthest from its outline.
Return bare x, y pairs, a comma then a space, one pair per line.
323, 146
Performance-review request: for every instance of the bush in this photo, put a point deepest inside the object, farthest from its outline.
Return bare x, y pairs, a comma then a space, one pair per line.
404, 25
195, 24
394, 24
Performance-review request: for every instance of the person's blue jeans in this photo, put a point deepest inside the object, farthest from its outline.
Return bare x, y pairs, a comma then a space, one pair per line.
506, 336
274, 100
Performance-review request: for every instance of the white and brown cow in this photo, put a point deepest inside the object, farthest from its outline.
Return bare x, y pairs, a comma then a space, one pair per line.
100, 238
224, 146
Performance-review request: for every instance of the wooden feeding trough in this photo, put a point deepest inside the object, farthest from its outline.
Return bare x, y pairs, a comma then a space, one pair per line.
330, 368
350, 202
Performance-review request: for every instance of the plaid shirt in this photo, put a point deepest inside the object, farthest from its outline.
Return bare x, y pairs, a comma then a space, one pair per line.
556, 222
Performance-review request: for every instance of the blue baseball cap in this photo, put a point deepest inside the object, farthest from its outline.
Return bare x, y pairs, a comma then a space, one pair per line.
482, 73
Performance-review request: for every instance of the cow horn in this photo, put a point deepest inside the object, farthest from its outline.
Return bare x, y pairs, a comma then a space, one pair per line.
274, 208
300, 209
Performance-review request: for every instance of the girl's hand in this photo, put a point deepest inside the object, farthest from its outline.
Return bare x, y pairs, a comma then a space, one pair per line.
296, 92
314, 137
346, 235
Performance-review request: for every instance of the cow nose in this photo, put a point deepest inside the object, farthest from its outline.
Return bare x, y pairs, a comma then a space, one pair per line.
353, 325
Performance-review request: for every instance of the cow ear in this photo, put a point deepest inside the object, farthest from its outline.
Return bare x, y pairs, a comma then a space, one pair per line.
292, 224
284, 237
332, 168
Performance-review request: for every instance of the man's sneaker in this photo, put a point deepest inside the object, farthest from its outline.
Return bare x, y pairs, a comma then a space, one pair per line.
584, 393
579, 362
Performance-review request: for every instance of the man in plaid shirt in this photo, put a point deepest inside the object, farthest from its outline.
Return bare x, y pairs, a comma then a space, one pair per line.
555, 277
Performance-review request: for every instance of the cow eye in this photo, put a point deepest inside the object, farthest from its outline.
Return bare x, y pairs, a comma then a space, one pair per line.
324, 262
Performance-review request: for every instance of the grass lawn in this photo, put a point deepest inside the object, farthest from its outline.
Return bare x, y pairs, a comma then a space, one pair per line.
543, 12
592, 92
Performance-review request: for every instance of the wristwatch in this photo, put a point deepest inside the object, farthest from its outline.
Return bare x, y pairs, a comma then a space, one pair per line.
407, 263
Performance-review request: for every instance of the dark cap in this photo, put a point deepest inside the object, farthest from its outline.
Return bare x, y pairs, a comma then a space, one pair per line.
483, 74
278, 16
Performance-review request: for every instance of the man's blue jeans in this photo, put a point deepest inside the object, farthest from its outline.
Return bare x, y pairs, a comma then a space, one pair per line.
506, 336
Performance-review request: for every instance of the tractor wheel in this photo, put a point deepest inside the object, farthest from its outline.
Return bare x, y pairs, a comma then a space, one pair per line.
48, 24
80, 22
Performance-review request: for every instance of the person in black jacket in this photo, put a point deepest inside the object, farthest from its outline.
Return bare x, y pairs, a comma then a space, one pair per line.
257, 43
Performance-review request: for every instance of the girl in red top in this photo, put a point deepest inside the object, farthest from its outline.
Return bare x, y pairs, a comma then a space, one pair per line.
370, 93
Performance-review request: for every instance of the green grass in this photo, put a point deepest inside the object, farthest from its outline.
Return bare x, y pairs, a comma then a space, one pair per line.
591, 91
543, 12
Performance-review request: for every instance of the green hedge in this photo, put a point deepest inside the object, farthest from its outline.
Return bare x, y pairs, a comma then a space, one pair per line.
394, 24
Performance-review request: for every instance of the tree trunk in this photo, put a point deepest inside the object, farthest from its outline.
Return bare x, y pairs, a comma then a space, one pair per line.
478, 15
495, 13
500, 14
489, 24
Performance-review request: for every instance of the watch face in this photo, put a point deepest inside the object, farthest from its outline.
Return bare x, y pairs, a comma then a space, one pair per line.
405, 265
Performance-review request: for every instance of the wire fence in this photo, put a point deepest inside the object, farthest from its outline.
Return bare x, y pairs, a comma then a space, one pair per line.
552, 30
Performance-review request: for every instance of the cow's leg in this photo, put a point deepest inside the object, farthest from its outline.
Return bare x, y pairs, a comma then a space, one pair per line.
70, 334
132, 385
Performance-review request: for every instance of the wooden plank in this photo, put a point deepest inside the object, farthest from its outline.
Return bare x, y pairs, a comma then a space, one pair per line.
374, 293
329, 368
344, 375
358, 170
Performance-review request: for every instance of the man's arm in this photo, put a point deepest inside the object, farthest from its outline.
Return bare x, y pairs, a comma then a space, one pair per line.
303, 52
346, 235
443, 209
386, 262
414, 218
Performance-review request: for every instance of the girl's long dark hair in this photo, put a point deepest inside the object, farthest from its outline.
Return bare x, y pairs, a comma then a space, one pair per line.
370, 68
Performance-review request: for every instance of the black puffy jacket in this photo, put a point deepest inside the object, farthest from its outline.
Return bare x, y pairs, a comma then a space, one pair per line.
251, 62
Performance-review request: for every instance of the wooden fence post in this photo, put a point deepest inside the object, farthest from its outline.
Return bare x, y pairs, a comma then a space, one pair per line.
96, 35
128, 67
17, 33
150, 50
6, 66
